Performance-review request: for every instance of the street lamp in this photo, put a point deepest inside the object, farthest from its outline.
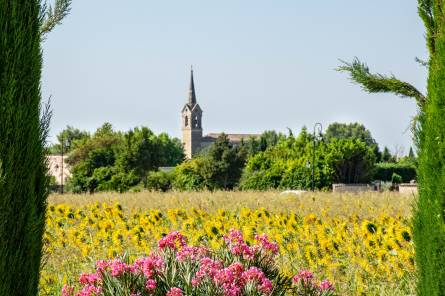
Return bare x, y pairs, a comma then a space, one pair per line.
320, 128
61, 179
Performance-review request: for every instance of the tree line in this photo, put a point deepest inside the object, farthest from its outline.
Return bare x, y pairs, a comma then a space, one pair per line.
110, 160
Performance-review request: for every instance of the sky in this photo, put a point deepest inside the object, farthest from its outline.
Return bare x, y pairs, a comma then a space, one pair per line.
258, 65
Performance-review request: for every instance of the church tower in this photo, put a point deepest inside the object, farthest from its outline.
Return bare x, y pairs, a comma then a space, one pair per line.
191, 123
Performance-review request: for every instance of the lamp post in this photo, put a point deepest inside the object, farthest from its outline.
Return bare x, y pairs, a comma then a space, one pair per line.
61, 179
320, 128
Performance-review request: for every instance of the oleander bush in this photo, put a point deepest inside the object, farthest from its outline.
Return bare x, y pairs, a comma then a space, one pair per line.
176, 269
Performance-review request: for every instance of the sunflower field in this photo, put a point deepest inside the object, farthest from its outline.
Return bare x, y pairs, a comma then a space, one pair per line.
365, 247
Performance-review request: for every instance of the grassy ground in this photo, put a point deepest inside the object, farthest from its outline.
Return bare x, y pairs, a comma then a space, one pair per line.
360, 241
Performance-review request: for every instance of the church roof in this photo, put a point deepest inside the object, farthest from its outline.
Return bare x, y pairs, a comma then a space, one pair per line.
211, 137
196, 108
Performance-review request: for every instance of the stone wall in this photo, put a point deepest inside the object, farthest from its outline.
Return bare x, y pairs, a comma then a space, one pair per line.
407, 188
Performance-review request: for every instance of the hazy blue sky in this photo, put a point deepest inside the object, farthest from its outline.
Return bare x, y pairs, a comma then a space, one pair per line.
259, 65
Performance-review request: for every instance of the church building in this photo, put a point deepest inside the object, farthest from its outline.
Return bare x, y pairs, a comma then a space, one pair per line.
192, 137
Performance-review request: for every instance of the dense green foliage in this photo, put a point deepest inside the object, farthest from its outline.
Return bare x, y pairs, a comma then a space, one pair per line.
266, 140
219, 168
385, 170
287, 164
429, 218
110, 160
159, 181
354, 130
23, 172
67, 140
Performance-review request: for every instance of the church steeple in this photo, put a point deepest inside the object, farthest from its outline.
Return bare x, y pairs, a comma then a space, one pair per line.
191, 122
192, 95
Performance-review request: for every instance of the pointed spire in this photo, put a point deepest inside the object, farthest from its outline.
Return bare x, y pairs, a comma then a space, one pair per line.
192, 95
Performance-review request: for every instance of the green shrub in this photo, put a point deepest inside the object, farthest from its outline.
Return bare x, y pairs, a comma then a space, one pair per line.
396, 179
187, 176
285, 165
159, 181
384, 171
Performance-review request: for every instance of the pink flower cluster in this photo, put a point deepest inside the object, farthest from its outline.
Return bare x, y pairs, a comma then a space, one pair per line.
89, 278
233, 278
87, 290
91, 282
235, 242
305, 278
237, 272
174, 240
266, 244
150, 265
191, 253
174, 292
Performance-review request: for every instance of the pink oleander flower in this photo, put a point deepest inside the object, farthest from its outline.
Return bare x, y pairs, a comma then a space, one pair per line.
149, 265
224, 277
233, 237
67, 290
266, 286
150, 285
232, 291
208, 267
303, 275
101, 265
192, 253
257, 276
136, 294
253, 274
326, 285
89, 278
266, 244
174, 292
89, 290
174, 240
118, 267
235, 242
236, 268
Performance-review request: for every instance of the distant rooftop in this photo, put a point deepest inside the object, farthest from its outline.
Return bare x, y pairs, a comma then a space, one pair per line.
232, 137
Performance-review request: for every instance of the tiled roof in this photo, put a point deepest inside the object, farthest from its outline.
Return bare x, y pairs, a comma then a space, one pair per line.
232, 137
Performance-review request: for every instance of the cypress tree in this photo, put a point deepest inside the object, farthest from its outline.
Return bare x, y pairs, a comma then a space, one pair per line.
23, 189
429, 137
23, 130
429, 216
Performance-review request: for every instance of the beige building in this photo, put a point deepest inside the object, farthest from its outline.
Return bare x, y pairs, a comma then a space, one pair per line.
191, 122
58, 168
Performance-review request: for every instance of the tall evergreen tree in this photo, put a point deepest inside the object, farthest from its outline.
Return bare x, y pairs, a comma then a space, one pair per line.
429, 136
429, 216
24, 188
23, 178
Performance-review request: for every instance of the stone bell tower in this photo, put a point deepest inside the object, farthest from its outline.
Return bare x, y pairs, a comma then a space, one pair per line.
191, 123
